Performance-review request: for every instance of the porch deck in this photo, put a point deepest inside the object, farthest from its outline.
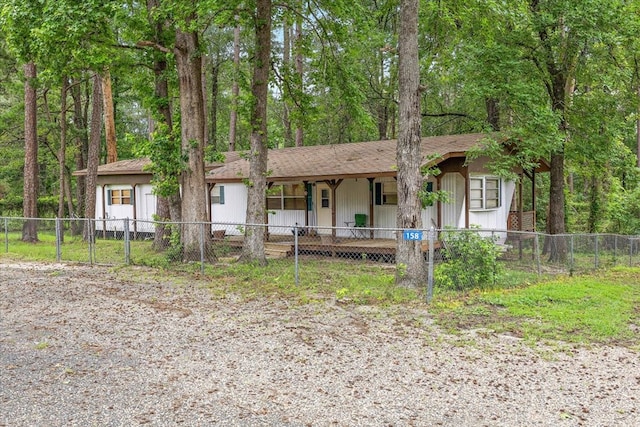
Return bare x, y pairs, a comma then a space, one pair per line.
281, 246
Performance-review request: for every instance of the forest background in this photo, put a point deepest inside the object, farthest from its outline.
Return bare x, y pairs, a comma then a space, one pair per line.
84, 83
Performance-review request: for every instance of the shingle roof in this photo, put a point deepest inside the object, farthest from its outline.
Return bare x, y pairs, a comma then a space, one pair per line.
352, 160
138, 166
121, 167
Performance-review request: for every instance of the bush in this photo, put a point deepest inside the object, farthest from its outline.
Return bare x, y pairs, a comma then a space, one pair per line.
12, 206
470, 261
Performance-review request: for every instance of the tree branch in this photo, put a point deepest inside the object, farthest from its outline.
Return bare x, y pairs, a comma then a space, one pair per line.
157, 46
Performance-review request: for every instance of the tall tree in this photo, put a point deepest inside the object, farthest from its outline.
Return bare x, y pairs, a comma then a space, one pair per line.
93, 156
253, 248
410, 270
30, 199
165, 154
192, 127
299, 77
235, 86
81, 137
109, 117
65, 189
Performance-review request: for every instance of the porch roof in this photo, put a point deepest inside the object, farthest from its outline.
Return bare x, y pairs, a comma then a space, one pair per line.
351, 160
139, 166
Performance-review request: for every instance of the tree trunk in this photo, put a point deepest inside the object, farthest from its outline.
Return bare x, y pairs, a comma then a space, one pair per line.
300, 79
62, 152
638, 131
213, 114
82, 144
30, 195
168, 206
555, 219
109, 118
235, 88
493, 113
194, 188
253, 248
93, 158
595, 211
286, 98
410, 271
161, 235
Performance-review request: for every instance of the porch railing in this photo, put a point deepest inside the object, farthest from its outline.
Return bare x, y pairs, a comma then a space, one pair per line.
521, 221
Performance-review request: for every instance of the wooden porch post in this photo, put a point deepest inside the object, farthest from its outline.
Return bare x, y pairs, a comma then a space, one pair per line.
533, 197
209, 190
266, 213
520, 203
467, 196
104, 213
439, 204
306, 208
135, 210
371, 206
333, 185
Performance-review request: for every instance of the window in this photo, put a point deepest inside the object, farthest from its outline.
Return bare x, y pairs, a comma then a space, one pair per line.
324, 198
386, 193
119, 197
287, 197
217, 195
484, 192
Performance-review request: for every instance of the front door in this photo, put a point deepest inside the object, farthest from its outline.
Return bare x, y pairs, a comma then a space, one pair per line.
324, 204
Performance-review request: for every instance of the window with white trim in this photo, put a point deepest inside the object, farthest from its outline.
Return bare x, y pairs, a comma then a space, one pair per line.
484, 192
119, 197
217, 195
287, 197
324, 198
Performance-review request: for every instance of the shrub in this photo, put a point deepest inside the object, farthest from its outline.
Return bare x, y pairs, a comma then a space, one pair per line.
470, 261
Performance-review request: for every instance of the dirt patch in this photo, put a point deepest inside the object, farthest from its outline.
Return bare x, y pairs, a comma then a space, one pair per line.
86, 345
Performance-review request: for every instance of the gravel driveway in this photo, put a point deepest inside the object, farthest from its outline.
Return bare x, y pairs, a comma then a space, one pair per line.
82, 346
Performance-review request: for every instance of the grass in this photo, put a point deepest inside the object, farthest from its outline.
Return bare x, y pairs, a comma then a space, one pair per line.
599, 308
344, 282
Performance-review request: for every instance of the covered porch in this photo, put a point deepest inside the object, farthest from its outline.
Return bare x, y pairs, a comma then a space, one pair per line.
282, 246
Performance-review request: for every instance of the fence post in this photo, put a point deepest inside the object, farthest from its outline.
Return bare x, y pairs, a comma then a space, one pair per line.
295, 248
430, 266
495, 258
596, 252
571, 259
91, 235
536, 249
127, 242
202, 257
6, 235
58, 240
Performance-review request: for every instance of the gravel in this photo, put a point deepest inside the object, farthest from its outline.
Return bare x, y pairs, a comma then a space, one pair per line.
94, 346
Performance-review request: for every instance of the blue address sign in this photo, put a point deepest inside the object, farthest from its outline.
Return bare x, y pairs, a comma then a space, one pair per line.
412, 234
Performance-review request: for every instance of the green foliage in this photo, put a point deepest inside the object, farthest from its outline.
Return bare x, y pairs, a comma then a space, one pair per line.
12, 206
167, 162
623, 209
589, 309
175, 250
470, 261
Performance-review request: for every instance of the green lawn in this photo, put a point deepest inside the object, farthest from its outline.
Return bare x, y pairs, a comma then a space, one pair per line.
600, 308
603, 307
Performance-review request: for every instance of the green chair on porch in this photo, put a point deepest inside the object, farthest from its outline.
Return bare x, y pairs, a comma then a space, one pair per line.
360, 222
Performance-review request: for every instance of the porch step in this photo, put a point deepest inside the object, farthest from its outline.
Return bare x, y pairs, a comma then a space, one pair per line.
276, 251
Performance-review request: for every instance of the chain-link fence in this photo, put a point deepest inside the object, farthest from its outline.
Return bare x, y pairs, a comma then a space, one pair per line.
455, 258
